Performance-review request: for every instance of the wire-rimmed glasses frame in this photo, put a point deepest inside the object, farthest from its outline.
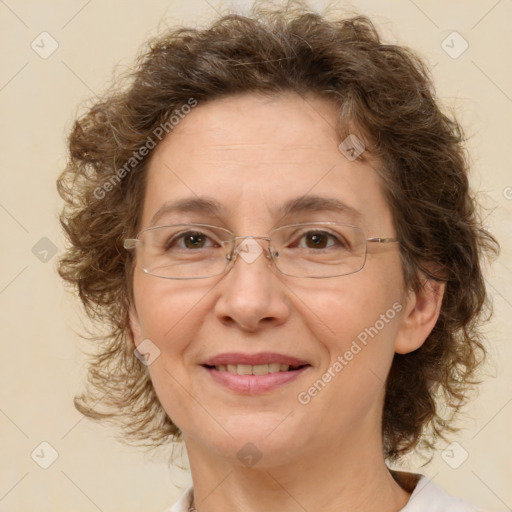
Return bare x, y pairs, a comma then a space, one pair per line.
157, 257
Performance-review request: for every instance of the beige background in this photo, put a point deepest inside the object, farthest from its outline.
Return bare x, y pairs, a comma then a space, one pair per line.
41, 366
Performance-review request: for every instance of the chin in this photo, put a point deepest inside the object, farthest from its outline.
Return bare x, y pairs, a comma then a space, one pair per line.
259, 440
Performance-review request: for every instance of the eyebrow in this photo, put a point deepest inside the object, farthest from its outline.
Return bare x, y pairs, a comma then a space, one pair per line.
193, 204
314, 203
303, 204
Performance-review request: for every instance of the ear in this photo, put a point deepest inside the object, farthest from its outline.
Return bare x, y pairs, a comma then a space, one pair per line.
135, 326
422, 310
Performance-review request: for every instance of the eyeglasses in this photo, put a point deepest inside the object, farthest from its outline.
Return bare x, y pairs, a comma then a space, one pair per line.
197, 251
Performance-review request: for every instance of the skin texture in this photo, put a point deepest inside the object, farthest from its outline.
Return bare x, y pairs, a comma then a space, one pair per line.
252, 154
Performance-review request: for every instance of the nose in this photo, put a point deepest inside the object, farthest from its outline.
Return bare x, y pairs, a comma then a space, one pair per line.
252, 295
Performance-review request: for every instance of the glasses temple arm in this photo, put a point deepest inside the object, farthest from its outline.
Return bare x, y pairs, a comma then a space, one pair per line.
383, 240
131, 243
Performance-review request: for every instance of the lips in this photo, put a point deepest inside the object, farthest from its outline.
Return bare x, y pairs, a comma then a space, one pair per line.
254, 384
254, 373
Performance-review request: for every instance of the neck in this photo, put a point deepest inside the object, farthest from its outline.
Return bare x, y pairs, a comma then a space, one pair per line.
350, 477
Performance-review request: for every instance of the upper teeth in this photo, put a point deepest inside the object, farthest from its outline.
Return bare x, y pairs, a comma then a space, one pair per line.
257, 369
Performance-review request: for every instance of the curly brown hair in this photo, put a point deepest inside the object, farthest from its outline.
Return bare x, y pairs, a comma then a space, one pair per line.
384, 93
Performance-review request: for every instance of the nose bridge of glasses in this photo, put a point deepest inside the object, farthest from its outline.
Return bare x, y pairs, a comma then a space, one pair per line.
248, 247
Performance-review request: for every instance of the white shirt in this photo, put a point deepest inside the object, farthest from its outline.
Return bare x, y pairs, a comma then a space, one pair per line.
426, 497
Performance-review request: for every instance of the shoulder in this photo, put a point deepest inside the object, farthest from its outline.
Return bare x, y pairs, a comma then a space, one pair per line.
184, 503
429, 497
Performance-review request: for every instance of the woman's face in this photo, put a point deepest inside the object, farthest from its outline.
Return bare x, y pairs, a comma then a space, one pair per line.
252, 156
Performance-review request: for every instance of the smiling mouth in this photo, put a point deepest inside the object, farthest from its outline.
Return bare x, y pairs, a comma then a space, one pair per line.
258, 369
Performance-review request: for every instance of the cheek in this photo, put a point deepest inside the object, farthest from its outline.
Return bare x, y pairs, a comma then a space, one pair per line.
169, 316
164, 311
343, 310
356, 321
360, 324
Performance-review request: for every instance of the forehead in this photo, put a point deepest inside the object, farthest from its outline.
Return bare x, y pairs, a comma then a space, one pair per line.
254, 159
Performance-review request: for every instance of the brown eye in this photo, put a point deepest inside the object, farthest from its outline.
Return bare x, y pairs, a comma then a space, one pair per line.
194, 240
317, 240
189, 240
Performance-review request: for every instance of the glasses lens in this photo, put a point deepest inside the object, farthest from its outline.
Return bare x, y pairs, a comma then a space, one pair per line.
194, 251
318, 250
184, 251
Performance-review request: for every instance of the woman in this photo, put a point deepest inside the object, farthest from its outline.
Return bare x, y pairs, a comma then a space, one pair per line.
273, 218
